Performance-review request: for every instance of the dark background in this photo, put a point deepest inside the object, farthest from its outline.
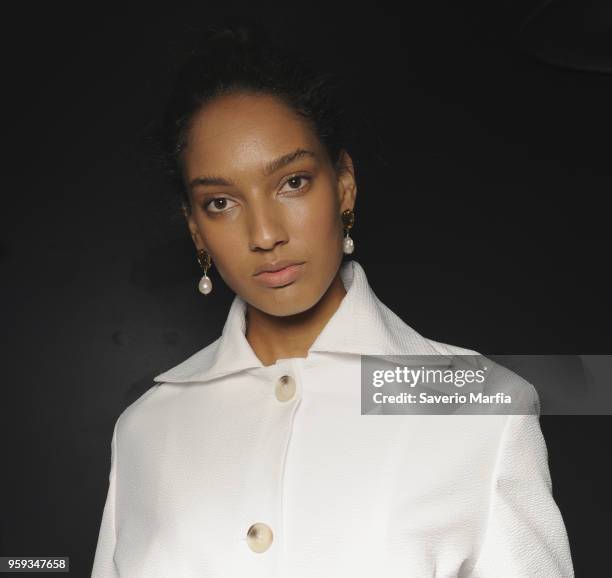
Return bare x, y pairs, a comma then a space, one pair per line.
484, 171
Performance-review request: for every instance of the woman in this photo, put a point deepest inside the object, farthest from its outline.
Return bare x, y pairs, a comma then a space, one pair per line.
251, 457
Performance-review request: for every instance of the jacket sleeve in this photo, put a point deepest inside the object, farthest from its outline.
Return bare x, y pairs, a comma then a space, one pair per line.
525, 534
104, 566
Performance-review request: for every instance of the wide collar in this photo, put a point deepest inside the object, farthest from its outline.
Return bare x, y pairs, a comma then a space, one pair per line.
361, 325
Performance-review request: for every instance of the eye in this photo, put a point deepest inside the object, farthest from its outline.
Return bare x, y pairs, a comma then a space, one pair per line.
296, 179
217, 202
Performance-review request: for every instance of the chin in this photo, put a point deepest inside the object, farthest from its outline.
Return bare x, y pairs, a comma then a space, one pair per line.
284, 302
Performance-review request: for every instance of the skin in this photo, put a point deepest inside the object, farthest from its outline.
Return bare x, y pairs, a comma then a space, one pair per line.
263, 218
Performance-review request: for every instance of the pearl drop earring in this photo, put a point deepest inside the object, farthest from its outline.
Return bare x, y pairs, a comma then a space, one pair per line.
205, 285
348, 217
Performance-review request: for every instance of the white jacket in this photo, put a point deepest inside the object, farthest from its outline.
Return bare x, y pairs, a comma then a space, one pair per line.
223, 443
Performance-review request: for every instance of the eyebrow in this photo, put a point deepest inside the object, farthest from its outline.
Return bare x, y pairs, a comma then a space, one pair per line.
269, 168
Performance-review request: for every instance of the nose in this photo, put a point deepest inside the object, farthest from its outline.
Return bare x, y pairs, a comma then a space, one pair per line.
267, 227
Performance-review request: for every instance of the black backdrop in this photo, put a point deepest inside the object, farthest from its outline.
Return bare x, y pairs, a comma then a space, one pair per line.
484, 176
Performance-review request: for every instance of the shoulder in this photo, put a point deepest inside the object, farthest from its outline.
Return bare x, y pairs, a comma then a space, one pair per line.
499, 377
150, 409
448, 349
197, 363
140, 415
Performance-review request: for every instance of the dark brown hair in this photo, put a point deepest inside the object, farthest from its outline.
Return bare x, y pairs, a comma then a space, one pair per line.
244, 58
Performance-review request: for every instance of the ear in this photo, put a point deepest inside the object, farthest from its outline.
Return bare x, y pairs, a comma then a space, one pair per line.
347, 186
194, 231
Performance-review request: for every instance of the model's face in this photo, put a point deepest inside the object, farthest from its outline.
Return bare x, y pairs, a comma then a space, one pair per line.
246, 216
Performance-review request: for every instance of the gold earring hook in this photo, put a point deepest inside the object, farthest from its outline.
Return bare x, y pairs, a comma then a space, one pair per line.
204, 259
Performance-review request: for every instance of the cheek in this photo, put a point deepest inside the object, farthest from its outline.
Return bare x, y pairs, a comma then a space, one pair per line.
223, 245
320, 220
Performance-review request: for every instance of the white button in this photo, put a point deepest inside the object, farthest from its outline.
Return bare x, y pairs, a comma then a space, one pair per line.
285, 388
259, 537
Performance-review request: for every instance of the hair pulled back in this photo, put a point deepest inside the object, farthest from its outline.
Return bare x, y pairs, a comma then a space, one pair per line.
244, 59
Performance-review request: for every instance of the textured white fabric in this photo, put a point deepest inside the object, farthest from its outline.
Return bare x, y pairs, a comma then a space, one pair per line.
210, 450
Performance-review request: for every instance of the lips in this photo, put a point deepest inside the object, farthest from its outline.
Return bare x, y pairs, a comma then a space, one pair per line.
281, 277
276, 266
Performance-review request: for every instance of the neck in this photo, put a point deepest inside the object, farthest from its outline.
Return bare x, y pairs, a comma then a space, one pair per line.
273, 337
